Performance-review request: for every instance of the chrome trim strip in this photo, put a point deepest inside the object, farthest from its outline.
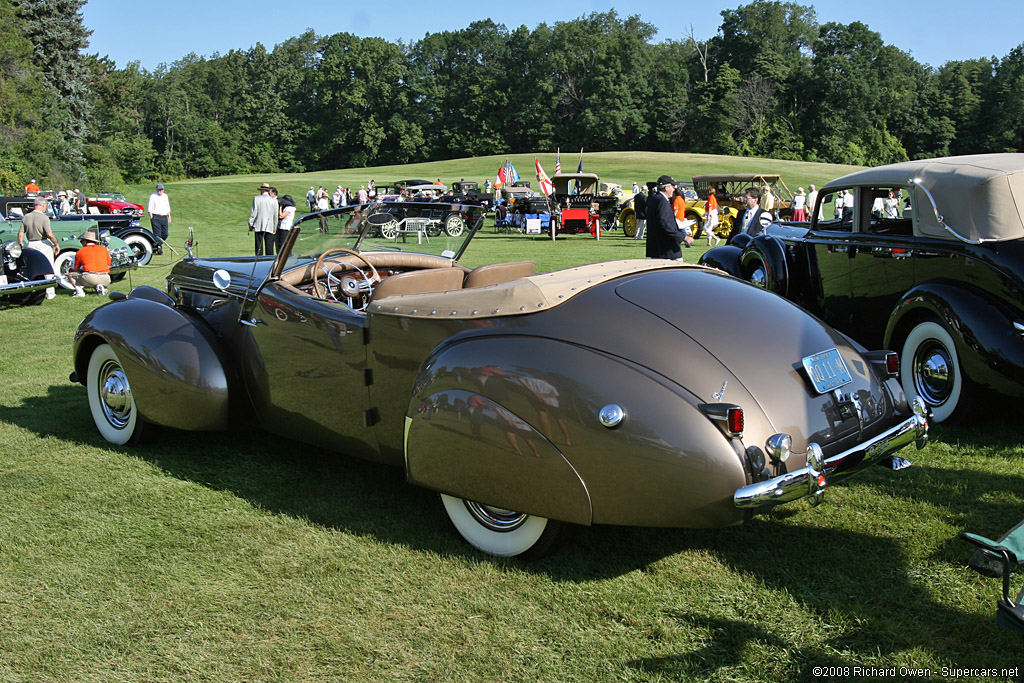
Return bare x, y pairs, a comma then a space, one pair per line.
799, 484
25, 286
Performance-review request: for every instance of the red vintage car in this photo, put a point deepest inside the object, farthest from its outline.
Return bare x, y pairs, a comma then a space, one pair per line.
114, 202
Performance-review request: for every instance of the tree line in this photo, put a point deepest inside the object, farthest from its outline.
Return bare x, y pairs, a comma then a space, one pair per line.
772, 82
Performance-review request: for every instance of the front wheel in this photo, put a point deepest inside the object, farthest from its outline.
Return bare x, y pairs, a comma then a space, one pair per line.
502, 532
141, 248
63, 264
110, 399
930, 368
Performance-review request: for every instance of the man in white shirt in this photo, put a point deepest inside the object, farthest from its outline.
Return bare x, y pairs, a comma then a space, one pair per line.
159, 210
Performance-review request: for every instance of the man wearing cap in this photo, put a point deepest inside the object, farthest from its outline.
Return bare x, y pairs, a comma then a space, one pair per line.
263, 220
663, 234
32, 189
159, 210
36, 228
92, 266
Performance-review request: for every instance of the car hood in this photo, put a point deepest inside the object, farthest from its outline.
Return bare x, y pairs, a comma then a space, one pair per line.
755, 342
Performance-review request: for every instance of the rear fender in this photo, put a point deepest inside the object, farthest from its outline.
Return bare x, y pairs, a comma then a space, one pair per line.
173, 362
514, 422
991, 349
766, 254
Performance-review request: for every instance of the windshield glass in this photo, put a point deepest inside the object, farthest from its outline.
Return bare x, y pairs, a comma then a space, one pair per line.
436, 228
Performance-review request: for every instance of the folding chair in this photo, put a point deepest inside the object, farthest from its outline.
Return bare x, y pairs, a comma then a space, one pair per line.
996, 559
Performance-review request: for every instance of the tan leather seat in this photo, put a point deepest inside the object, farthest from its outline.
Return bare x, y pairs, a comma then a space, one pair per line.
419, 282
497, 273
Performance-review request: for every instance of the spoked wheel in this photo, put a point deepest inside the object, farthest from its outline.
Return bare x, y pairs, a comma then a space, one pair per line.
110, 399
629, 224
505, 533
724, 227
454, 225
141, 248
389, 230
930, 368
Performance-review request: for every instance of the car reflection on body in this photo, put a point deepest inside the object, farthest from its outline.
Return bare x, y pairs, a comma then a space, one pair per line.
524, 399
923, 257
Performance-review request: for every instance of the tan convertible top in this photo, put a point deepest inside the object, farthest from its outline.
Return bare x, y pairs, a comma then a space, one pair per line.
518, 297
981, 196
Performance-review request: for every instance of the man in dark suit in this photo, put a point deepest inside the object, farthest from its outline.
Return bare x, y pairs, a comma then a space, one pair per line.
754, 219
663, 234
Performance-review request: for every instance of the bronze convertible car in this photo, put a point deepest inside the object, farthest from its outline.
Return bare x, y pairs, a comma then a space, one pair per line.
524, 399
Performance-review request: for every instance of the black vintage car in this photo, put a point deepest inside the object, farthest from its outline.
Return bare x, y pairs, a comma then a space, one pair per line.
24, 273
923, 257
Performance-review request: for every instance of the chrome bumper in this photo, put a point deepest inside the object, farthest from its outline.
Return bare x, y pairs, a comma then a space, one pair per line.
26, 286
812, 479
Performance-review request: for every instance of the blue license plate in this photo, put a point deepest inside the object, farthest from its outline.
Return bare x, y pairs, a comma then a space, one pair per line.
827, 371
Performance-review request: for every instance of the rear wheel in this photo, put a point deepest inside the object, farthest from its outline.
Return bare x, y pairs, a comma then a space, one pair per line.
454, 225
502, 532
110, 399
628, 220
930, 368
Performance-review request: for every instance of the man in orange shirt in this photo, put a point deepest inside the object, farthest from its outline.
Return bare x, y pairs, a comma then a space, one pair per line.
92, 266
32, 189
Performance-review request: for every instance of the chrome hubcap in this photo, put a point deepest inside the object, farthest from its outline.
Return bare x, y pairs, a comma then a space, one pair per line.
759, 278
115, 394
495, 518
933, 373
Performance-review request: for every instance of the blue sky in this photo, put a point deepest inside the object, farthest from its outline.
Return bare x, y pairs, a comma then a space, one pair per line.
153, 33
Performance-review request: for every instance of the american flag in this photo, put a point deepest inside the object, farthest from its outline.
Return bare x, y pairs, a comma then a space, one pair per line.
558, 161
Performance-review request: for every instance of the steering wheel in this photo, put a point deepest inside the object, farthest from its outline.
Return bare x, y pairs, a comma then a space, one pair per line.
374, 275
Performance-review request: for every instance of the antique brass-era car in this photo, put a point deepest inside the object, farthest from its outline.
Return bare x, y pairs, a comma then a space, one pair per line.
524, 399
729, 191
924, 257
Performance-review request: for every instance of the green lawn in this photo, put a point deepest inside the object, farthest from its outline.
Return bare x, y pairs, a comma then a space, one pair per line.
240, 557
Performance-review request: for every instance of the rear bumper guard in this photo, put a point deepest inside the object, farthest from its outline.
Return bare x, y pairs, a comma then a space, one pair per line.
810, 481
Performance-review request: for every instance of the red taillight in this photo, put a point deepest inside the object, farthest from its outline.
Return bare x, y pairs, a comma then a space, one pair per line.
735, 421
892, 363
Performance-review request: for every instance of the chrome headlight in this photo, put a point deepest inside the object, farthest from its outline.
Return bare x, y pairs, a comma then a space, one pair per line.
13, 249
105, 237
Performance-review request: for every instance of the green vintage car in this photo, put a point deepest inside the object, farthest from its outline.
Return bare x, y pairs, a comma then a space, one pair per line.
122, 258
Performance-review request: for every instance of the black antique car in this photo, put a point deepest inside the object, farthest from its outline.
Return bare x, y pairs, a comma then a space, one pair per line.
519, 397
24, 273
923, 257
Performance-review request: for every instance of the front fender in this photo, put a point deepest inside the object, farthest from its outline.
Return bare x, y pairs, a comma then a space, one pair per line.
725, 258
991, 349
514, 421
37, 266
172, 361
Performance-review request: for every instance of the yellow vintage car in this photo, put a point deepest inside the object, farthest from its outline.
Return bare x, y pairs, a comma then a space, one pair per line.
729, 189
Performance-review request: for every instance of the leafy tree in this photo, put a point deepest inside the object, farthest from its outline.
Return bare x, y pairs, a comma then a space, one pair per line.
58, 36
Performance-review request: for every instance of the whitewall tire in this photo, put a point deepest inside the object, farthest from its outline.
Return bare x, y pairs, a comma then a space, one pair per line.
502, 532
930, 368
110, 399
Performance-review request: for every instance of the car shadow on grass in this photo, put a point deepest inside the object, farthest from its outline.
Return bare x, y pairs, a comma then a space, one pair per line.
861, 586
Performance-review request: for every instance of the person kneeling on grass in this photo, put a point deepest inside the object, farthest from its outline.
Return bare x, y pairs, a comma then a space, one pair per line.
92, 266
